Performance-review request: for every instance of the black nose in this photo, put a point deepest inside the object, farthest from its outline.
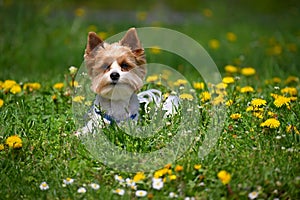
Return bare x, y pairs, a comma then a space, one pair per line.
114, 76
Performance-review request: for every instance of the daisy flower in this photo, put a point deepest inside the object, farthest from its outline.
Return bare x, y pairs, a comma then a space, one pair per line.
140, 193
119, 191
173, 195
44, 186
157, 183
119, 178
81, 190
95, 186
68, 181
253, 195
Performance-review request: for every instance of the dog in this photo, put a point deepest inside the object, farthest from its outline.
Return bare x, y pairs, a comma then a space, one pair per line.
117, 73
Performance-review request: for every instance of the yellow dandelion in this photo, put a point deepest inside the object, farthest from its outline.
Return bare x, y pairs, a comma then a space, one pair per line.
281, 100
172, 177
1, 147
14, 141
58, 86
231, 69
186, 96
258, 102
73, 83
214, 44
235, 116
276, 80
289, 90
247, 89
248, 71
92, 28
221, 86
231, 37
224, 177
271, 114
228, 80
197, 167
180, 82
229, 102
207, 12
139, 176
103, 35
141, 16
79, 12
258, 115
1, 103
218, 100
155, 49
152, 78
205, 96
291, 128
16, 89
292, 79
271, 123
31, 86
198, 85
8, 84
78, 99
178, 168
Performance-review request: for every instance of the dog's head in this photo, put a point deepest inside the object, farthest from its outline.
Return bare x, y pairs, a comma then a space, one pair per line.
117, 70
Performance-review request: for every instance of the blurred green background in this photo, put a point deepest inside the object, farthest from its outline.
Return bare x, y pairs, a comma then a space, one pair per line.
40, 40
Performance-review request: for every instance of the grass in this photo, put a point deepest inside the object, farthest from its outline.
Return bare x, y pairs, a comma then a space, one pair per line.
42, 41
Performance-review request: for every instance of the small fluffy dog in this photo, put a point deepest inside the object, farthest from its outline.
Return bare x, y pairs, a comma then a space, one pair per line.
117, 72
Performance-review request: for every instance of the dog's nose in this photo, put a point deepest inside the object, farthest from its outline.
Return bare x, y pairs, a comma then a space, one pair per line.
115, 76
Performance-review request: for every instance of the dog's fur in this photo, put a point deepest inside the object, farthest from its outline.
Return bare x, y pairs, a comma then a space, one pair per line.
117, 72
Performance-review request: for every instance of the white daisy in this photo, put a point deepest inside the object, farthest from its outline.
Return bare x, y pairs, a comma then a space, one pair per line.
157, 184
44, 186
253, 195
95, 186
173, 195
129, 182
68, 181
119, 191
119, 178
140, 193
81, 190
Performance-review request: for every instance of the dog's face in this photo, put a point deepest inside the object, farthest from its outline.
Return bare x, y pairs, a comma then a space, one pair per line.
117, 70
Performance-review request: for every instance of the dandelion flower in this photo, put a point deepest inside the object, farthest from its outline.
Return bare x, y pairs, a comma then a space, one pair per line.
16, 89
281, 100
248, 71
180, 82
290, 79
198, 85
228, 80
246, 89
79, 12
14, 141
95, 186
229, 102
178, 168
119, 191
271, 123
289, 90
140, 193
235, 116
152, 78
214, 44
58, 86
205, 96
1, 147
81, 190
155, 49
1, 103
44, 186
186, 96
258, 102
68, 181
231, 69
8, 84
253, 195
78, 99
197, 167
139, 177
224, 176
172, 177
231, 37
32, 86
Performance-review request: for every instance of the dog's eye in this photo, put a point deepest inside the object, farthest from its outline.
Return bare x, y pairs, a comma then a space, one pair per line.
105, 67
124, 65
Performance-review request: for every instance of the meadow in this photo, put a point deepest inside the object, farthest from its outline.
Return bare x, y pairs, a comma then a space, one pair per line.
255, 47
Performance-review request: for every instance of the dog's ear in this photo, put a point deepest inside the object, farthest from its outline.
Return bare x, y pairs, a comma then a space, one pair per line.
131, 40
92, 42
